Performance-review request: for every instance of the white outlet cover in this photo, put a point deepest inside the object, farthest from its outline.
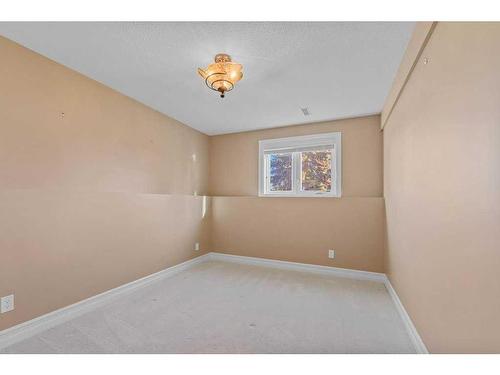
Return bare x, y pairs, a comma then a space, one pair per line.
7, 304
197, 246
331, 254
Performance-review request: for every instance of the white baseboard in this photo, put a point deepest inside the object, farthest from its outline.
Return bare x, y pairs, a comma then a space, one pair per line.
304, 267
32, 327
415, 338
27, 329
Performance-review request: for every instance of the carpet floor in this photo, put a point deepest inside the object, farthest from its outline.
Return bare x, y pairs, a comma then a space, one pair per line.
222, 307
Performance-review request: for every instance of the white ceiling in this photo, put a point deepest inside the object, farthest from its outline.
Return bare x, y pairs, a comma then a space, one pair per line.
335, 69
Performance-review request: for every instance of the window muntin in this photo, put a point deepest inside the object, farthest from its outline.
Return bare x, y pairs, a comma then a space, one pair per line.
300, 166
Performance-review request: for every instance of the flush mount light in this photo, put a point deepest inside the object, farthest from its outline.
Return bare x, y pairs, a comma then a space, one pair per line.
222, 75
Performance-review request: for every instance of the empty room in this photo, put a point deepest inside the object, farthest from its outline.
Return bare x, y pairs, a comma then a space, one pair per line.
265, 187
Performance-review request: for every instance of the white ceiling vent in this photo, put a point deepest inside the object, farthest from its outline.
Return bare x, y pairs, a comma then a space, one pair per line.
305, 111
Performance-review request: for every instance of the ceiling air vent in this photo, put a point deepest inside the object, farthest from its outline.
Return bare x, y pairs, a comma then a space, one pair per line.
305, 111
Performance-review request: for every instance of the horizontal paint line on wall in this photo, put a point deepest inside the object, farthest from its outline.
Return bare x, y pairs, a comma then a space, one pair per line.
71, 190
295, 197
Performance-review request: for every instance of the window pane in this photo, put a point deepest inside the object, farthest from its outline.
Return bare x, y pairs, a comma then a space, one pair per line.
316, 170
280, 172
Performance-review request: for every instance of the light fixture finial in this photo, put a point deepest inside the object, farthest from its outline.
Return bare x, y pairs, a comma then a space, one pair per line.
222, 75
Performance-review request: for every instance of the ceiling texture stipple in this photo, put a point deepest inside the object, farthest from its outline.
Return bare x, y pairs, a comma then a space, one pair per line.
335, 69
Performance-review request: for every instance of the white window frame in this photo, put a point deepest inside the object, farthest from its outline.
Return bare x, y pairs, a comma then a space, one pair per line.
292, 144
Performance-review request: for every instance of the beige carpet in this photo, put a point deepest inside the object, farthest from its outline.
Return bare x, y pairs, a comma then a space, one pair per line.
219, 307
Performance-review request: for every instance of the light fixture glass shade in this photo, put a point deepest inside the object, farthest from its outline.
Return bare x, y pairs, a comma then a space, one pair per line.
222, 75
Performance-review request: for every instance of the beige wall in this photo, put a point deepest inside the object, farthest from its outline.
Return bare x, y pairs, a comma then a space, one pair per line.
442, 190
234, 157
69, 184
301, 229
93, 199
416, 44
80, 163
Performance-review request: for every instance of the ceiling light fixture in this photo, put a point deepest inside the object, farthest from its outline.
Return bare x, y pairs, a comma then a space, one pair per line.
222, 75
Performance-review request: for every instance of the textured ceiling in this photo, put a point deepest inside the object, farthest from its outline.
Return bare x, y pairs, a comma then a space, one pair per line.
335, 69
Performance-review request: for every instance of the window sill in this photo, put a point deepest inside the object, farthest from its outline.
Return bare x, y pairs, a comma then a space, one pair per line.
299, 196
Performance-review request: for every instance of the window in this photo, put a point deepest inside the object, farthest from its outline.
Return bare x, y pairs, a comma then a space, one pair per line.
300, 166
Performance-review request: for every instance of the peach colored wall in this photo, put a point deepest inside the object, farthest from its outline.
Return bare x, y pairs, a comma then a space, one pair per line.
93, 199
442, 190
234, 157
419, 38
301, 229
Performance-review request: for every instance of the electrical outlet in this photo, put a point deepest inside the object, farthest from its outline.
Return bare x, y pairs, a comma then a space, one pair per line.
331, 254
197, 246
7, 304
